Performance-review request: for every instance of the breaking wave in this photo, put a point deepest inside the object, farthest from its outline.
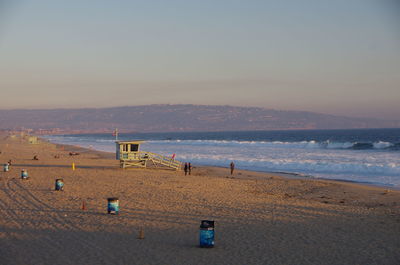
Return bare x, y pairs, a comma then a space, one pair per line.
380, 145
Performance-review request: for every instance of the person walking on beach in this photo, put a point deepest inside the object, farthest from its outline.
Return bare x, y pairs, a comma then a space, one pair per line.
186, 168
232, 165
190, 168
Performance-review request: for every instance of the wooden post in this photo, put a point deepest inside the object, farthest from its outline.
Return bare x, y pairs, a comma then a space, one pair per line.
141, 233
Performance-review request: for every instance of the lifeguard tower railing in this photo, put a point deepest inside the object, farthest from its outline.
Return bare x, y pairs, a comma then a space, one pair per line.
142, 158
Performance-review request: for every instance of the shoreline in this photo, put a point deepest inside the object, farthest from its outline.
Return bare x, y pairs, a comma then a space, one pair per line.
291, 175
240, 172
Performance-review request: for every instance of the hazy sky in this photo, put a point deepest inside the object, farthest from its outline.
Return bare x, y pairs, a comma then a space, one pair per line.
339, 57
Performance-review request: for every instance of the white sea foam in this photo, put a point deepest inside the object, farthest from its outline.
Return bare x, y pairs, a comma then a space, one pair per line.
338, 145
381, 145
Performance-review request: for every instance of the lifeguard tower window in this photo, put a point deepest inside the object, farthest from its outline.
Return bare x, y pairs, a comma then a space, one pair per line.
134, 147
125, 147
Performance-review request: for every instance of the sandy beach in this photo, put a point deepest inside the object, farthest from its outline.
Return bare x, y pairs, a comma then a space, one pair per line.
259, 218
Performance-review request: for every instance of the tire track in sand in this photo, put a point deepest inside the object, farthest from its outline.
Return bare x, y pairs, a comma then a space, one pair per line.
55, 218
15, 197
23, 227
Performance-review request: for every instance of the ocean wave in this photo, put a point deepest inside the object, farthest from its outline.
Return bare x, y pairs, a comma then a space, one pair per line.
313, 144
380, 145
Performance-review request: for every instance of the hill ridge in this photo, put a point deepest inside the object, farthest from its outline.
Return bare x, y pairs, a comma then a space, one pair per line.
178, 117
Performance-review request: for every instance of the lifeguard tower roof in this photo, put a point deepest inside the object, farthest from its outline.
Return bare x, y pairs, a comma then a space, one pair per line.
130, 142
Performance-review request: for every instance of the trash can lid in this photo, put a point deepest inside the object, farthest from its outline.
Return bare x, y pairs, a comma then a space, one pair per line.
206, 224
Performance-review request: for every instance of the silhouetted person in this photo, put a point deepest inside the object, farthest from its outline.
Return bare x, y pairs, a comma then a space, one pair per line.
190, 168
232, 165
186, 168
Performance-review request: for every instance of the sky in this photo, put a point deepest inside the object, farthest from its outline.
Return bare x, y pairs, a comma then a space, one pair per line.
338, 57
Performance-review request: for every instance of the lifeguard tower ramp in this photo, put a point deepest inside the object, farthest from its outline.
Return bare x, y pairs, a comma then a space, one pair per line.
129, 155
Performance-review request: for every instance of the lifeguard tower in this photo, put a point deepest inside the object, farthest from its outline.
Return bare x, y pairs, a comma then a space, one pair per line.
33, 140
129, 155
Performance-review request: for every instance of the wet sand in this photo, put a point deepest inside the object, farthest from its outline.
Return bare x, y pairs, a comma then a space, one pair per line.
259, 218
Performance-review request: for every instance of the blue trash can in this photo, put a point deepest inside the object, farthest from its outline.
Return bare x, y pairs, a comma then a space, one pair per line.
6, 167
60, 184
24, 174
113, 206
207, 234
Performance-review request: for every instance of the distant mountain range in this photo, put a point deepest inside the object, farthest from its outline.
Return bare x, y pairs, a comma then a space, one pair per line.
167, 118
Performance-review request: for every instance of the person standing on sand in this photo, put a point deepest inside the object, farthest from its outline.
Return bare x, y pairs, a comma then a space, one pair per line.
232, 165
190, 168
186, 167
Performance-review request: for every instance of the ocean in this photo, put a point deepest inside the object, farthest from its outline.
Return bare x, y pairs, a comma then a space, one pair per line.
363, 155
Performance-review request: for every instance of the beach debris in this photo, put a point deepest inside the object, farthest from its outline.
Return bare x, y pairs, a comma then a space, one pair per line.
73, 166
73, 153
6, 167
83, 207
24, 174
141, 233
207, 234
35, 157
59, 185
113, 205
